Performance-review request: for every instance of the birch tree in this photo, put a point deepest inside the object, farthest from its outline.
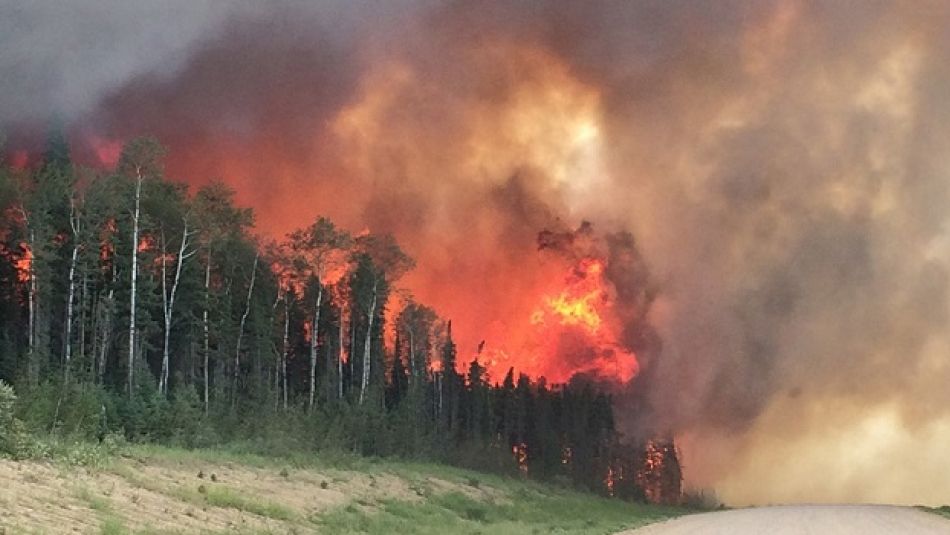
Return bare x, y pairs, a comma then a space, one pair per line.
168, 296
240, 333
218, 220
314, 251
42, 212
140, 161
74, 224
379, 261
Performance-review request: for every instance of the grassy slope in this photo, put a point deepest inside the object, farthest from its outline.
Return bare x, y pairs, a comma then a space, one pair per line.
151, 489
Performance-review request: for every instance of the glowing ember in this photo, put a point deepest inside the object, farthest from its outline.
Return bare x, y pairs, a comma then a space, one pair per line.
23, 264
520, 452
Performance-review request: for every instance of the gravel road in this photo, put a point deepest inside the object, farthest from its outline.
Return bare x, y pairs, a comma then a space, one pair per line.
804, 519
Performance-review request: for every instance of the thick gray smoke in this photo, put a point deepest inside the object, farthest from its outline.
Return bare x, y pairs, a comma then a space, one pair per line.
784, 166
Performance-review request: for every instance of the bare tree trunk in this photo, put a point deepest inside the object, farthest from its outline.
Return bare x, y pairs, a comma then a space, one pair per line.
71, 294
370, 315
330, 354
105, 311
135, 268
205, 325
277, 353
161, 375
32, 305
247, 311
169, 303
313, 344
83, 306
350, 362
412, 360
284, 351
339, 358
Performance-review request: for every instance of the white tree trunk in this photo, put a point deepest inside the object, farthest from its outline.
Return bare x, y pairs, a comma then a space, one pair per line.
370, 315
83, 306
104, 317
135, 268
32, 305
339, 358
71, 293
68, 352
284, 351
169, 305
207, 331
247, 311
313, 343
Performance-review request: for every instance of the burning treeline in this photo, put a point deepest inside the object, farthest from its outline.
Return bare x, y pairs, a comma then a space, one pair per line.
132, 306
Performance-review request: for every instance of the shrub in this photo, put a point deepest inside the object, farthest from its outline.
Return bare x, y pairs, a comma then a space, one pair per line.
14, 440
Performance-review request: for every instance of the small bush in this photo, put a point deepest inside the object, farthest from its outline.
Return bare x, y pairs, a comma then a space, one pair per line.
14, 440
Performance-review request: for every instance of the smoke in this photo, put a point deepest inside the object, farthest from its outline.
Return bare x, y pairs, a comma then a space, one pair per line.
782, 165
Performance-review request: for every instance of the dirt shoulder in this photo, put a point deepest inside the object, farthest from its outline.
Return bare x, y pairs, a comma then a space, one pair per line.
149, 490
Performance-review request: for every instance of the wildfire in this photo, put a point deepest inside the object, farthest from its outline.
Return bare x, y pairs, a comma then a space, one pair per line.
574, 329
659, 474
578, 304
520, 452
23, 264
577, 311
543, 135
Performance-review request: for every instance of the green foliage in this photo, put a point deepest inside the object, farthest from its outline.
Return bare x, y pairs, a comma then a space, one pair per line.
76, 410
187, 420
13, 437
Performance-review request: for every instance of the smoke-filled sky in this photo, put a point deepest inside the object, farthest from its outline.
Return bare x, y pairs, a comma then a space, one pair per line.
784, 167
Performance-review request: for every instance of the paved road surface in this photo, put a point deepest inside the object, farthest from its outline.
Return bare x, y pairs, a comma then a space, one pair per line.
805, 519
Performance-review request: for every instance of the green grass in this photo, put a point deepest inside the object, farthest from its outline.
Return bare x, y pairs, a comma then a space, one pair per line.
530, 512
94, 501
218, 496
112, 526
943, 510
109, 522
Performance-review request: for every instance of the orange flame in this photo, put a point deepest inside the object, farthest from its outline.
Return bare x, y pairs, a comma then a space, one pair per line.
574, 330
576, 310
24, 264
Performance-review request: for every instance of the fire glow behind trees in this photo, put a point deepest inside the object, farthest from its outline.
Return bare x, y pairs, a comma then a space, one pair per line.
767, 183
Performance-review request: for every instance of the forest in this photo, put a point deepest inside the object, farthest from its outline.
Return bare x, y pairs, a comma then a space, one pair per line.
132, 307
